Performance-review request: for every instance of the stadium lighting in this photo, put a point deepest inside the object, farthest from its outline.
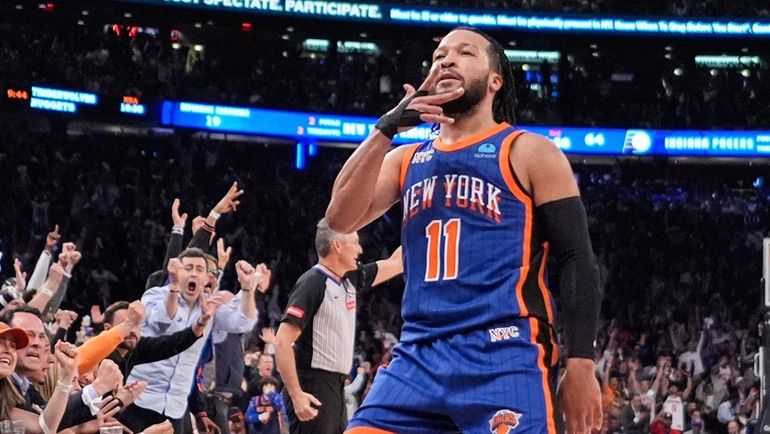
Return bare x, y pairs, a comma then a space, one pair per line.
531, 56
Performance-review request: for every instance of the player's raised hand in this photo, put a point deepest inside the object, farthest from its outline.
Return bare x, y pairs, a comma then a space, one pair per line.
418, 106
580, 397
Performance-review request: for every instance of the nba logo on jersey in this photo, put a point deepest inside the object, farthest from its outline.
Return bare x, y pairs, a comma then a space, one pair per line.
504, 422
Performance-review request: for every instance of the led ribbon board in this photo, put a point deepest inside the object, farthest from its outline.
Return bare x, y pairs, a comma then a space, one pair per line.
278, 123
495, 19
60, 100
305, 126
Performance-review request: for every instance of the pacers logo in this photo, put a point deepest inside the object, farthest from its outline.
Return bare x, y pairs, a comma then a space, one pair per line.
504, 422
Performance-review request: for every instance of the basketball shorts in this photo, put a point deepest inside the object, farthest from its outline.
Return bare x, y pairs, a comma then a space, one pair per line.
495, 380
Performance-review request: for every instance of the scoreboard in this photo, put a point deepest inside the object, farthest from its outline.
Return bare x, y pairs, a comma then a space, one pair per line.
309, 127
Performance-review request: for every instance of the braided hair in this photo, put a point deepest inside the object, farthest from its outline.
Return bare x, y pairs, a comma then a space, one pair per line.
504, 103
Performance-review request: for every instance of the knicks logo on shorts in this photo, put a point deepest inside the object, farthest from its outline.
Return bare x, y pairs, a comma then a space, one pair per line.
504, 422
503, 333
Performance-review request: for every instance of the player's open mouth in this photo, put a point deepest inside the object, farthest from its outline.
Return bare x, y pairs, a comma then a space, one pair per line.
191, 287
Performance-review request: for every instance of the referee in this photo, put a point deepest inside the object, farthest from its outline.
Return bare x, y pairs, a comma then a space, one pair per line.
320, 324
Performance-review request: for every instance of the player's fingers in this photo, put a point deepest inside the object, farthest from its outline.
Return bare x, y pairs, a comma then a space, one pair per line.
436, 119
598, 417
430, 80
409, 89
425, 108
314, 400
440, 98
577, 423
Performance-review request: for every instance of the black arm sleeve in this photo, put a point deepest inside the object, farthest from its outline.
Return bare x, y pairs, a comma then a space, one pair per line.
58, 297
173, 248
566, 229
152, 349
201, 239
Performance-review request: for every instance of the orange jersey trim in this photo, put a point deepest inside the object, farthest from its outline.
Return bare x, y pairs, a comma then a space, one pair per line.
472, 140
542, 285
405, 165
549, 413
367, 430
506, 171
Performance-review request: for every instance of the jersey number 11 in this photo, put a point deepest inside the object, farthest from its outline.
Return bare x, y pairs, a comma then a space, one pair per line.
451, 252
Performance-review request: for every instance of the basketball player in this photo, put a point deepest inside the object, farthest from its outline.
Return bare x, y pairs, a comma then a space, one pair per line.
484, 204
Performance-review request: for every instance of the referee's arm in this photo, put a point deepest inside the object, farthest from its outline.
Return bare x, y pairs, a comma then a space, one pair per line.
288, 333
389, 268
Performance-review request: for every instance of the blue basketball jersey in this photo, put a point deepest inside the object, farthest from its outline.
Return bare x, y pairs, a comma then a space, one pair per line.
473, 252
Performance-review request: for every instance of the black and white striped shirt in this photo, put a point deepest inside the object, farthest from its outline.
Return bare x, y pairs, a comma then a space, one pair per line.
324, 308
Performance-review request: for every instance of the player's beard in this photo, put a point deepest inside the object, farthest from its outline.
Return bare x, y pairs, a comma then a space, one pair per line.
475, 91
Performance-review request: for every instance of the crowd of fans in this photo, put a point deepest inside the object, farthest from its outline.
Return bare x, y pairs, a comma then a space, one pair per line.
684, 343
89, 221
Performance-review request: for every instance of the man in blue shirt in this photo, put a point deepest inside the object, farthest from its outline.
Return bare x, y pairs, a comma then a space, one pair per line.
174, 307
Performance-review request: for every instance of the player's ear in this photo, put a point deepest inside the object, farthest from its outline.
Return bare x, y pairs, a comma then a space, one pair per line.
495, 81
